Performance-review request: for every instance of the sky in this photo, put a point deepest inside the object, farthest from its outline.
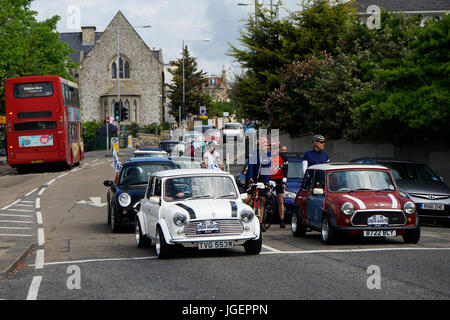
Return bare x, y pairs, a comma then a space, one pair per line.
172, 21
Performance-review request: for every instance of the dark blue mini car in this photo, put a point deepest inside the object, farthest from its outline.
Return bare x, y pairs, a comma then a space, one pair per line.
129, 187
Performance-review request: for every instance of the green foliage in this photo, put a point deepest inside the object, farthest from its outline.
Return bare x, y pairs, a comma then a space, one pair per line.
412, 96
154, 128
29, 47
193, 81
269, 44
91, 129
217, 108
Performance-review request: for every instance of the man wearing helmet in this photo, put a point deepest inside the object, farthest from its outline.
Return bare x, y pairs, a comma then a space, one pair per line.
316, 155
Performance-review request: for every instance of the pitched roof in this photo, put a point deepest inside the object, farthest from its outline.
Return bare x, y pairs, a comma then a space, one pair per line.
404, 5
74, 41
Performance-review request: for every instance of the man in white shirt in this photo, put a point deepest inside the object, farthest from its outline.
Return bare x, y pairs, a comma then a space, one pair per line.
211, 158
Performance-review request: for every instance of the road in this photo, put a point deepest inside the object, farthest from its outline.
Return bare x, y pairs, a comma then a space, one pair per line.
81, 259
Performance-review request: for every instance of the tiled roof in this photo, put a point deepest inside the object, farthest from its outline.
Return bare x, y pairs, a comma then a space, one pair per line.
404, 5
74, 41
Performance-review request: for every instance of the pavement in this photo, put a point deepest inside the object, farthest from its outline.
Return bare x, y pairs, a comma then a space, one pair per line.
14, 249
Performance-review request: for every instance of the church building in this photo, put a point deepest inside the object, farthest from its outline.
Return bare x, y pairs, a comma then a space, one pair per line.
140, 71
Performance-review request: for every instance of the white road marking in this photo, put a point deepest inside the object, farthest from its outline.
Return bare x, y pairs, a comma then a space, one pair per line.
270, 248
15, 235
39, 217
41, 239
62, 175
50, 182
14, 221
356, 250
20, 210
16, 228
41, 191
10, 205
23, 205
95, 260
14, 215
39, 259
34, 288
30, 192
38, 203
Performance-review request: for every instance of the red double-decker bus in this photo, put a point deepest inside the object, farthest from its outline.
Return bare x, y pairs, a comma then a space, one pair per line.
43, 121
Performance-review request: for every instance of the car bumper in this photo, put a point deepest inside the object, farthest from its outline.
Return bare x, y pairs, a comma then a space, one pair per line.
193, 242
359, 231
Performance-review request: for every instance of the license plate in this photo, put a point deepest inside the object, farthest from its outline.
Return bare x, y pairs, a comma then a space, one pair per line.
433, 206
215, 245
207, 227
37, 161
377, 221
380, 233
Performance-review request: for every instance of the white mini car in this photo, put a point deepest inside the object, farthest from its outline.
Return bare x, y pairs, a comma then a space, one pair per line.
195, 208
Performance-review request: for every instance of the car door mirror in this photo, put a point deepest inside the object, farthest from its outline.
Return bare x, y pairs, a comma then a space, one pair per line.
317, 191
108, 183
155, 200
244, 196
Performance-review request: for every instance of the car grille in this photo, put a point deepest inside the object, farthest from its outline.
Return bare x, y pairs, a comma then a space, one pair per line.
430, 196
226, 227
395, 217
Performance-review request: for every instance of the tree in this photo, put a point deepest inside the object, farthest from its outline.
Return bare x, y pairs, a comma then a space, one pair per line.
411, 97
29, 47
271, 44
193, 81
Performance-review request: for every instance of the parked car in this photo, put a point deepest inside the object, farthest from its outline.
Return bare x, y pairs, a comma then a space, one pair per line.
195, 208
421, 184
129, 187
173, 147
233, 131
150, 153
356, 199
187, 162
210, 133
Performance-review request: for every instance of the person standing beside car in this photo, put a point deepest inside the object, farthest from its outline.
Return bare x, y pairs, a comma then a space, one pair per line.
316, 155
211, 158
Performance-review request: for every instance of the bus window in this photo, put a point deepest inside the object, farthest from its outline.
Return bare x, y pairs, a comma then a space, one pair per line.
33, 90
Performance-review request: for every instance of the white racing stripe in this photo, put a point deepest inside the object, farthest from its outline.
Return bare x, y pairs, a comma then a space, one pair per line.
394, 201
360, 203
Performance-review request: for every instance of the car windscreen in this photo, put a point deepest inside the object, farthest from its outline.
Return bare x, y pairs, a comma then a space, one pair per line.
138, 173
295, 170
233, 126
359, 180
199, 187
411, 171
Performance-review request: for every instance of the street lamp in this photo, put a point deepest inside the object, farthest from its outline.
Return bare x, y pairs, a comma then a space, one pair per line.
118, 65
183, 104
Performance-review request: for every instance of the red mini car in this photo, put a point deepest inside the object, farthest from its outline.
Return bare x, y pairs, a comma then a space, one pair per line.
360, 200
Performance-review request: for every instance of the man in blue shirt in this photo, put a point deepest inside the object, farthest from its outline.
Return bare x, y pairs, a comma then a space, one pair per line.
316, 155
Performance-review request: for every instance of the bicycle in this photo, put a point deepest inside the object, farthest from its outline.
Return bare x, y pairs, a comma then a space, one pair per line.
257, 202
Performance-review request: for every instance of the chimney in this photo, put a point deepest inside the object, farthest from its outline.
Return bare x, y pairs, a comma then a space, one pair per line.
88, 35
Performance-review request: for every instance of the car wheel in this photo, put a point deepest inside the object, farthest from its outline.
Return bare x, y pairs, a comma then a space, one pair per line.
297, 227
329, 233
412, 236
253, 247
163, 250
141, 240
115, 225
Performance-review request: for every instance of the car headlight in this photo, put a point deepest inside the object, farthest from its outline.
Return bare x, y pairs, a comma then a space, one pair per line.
288, 194
348, 209
124, 199
180, 219
247, 216
409, 207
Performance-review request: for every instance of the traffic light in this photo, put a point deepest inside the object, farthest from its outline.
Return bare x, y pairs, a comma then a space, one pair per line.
124, 114
117, 111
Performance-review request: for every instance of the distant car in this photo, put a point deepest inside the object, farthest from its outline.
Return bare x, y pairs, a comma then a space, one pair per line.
234, 131
150, 153
197, 208
129, 187
356, 199
173, 147
421, 184
187, 162
210, 133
